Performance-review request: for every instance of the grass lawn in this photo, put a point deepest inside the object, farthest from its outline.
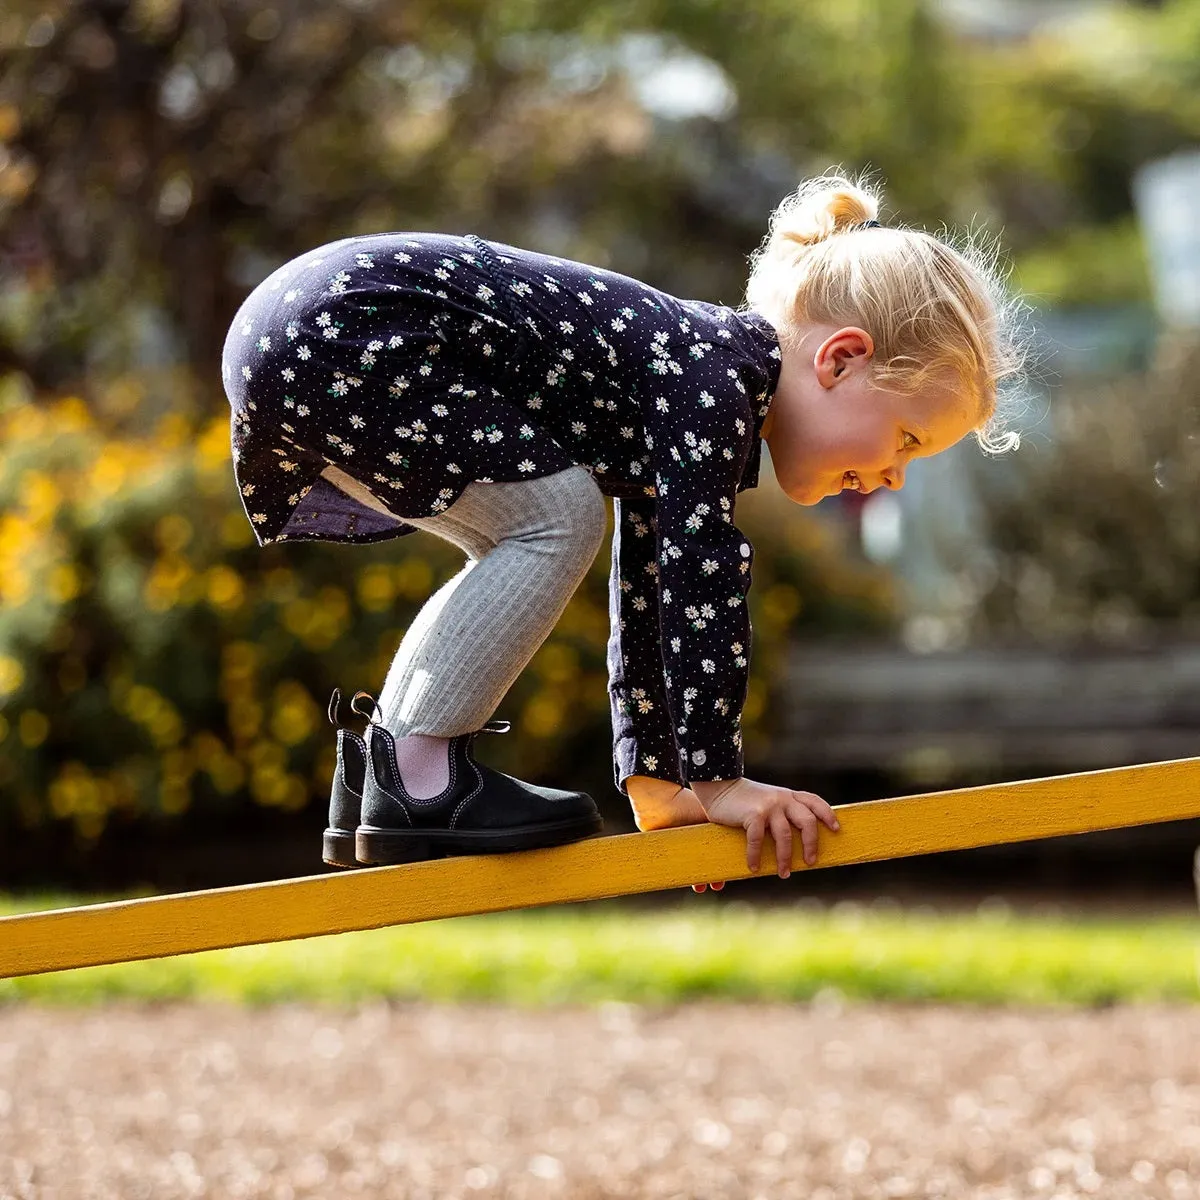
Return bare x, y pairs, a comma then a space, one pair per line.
608, 951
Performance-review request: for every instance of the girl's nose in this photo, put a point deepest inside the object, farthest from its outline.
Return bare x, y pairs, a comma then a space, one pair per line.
893, 476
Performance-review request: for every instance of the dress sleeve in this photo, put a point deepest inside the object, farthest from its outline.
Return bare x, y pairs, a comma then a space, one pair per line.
643, 736
699, 450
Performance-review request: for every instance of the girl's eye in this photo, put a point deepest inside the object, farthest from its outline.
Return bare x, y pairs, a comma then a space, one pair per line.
910, 440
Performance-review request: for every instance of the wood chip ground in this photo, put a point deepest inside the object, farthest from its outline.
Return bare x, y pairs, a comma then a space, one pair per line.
823, 1101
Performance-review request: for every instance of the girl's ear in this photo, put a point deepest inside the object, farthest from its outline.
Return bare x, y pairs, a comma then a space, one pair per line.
848, 349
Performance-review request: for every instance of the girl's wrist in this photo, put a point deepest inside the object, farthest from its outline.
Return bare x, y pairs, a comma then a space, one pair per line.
708, 791
649, 785
662, 803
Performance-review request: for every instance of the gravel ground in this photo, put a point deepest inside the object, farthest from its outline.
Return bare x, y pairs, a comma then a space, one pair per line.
820, 1102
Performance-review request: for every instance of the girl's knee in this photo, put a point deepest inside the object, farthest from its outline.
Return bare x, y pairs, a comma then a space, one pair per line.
586, 517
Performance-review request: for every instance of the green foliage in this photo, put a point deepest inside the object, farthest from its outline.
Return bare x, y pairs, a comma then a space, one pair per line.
1092, 265
1100, 540
152, 153
609, 952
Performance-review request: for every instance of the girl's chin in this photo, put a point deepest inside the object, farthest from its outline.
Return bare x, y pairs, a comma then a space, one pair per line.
813, 495
815, 492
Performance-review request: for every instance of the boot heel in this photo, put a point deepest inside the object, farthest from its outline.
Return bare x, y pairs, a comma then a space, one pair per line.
338, 848
386, 847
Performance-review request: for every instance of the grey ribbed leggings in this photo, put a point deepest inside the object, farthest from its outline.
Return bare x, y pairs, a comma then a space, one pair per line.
528, 544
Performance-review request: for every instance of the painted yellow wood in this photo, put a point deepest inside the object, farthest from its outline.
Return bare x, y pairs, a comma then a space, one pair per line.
595, 868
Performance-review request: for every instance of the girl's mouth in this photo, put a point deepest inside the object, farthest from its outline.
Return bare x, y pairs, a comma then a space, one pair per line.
851, 480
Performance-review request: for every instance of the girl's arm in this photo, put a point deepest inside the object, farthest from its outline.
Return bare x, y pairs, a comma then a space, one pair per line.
643, 737
704, 573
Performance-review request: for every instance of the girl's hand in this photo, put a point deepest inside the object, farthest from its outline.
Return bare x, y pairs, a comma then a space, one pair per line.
663, 804
757, 807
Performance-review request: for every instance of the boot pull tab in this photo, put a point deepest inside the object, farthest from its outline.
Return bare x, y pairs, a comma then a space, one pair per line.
496, 726
334, 701
374, 707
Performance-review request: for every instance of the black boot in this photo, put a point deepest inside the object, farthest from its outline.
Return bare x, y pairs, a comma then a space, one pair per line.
481, 811
345, 796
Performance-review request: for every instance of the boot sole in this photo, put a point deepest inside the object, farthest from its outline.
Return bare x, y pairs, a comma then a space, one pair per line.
338, 848
381, 847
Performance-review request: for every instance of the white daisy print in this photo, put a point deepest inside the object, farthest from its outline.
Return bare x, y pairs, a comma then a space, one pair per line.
614, 348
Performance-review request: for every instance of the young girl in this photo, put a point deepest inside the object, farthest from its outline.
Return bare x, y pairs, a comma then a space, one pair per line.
493, 396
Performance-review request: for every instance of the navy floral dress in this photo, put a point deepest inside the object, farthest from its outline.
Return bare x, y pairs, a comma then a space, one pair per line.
418, 363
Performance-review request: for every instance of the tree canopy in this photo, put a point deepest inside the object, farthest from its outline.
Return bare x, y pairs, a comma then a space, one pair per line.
158, 157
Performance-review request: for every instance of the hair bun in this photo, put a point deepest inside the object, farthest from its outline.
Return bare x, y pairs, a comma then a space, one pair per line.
821, 208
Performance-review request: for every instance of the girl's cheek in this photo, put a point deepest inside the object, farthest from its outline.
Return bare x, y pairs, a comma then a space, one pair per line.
881, 451
863, 452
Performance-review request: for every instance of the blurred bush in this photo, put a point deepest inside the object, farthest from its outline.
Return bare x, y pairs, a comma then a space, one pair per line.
154, 660
1099, 539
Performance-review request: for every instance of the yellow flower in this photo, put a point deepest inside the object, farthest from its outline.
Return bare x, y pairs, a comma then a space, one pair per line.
295, 716
33, 728
12, 675
376, 588
225, 589
542, 715
65, 582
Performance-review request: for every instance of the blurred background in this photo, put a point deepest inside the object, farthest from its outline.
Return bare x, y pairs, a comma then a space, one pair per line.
164, 680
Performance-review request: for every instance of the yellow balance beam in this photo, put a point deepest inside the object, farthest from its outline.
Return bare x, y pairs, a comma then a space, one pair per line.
592, 869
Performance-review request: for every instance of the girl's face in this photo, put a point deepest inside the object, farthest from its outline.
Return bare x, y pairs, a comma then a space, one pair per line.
830, 428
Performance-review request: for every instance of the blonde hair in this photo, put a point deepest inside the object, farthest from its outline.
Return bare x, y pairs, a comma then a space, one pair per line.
931, 307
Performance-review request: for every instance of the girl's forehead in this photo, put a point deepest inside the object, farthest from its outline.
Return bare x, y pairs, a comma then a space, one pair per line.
938, 401
939, 415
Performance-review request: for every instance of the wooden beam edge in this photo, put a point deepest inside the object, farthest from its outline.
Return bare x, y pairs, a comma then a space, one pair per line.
592, 869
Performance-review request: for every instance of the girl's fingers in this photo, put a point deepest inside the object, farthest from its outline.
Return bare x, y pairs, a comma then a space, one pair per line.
754, 840
804, 820
781, 834
817, 805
